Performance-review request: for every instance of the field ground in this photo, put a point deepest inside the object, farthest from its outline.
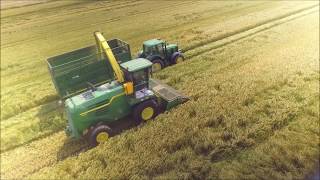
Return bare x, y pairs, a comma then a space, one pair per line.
252, 73
7, 4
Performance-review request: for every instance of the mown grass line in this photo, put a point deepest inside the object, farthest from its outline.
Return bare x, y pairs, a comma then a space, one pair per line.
19, 162
268, 110
24, 5
72, 6
295, 164
68, 14
88, 24
32, 125
241, 30
241, 35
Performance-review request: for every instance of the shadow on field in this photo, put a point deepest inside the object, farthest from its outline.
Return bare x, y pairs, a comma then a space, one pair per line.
73, 147
51, 118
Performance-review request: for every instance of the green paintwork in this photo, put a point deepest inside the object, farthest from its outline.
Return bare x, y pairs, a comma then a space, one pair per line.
136, 64
119, 104
153, 42
118, 108
70, 72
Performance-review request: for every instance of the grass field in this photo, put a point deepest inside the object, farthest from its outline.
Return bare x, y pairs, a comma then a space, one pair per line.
252, 73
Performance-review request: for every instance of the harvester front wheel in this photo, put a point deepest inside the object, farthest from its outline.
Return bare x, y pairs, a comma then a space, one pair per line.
99, 134
145, 111
157, 65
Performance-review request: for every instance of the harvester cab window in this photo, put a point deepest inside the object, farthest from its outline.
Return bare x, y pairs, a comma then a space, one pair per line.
127, 75
140, 79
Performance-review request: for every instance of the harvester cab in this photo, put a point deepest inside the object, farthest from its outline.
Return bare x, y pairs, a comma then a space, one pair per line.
132, 92
161, 54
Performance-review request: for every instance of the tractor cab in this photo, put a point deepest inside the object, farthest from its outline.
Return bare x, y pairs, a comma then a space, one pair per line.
154, 47
160, 53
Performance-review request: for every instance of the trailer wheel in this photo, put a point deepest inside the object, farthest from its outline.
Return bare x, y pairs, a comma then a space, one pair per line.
99, 134
179, 59
145, 111
157, 65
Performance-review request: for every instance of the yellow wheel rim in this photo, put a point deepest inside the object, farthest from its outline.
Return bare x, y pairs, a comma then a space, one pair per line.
102, 137
179, 60
147, 113
156, 67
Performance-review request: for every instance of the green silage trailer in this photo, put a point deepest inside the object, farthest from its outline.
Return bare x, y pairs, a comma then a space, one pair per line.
74, 72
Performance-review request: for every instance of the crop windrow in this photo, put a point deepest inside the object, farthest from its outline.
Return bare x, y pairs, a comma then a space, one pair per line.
200, 47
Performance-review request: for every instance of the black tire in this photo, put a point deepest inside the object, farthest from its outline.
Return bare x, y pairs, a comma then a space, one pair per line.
178, 59
140, 109
97, 133
157, 65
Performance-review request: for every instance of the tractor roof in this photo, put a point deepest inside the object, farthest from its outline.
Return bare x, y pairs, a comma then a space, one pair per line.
153, 42
136, 64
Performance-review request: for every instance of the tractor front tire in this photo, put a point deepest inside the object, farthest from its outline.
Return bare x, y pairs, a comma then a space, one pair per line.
179, 59
157, 65
145, 111
99, 134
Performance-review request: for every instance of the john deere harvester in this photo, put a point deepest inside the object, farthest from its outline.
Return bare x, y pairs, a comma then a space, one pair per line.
101, 84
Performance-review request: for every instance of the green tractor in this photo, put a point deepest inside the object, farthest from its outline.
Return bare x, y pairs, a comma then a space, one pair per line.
161, 54
101, 85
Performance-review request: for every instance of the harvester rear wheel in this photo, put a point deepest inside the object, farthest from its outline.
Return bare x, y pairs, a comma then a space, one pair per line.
145, 111
99, 134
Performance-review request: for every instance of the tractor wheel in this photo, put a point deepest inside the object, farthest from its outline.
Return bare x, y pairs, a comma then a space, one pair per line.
157, 65
145, 111
178, 59
99, 134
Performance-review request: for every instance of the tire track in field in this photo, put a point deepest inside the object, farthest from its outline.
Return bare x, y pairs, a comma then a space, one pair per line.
47, 151
102, 21
224, 39
70, 9
29, 126
274, 125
